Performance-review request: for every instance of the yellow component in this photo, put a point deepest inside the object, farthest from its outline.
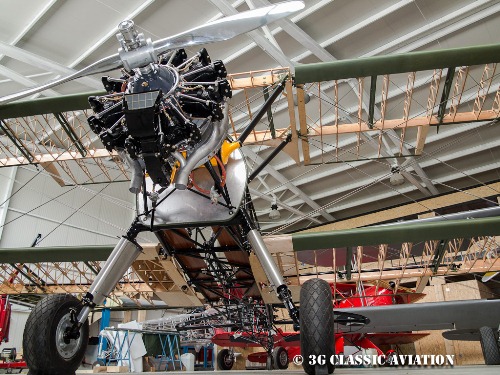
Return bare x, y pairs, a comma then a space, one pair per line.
227, 149
172, 175
174, 171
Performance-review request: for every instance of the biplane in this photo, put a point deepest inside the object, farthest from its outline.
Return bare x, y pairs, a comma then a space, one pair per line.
166, 123
345, 295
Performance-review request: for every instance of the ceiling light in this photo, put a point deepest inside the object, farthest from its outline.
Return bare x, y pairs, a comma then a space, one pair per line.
274, 214
396, 178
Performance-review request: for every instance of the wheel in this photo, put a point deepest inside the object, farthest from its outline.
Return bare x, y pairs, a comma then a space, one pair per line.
489, 344
225, 359
280, 358
45, 349
316, 327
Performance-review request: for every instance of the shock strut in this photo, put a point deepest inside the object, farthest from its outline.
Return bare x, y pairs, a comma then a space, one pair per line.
271, 270
121, 258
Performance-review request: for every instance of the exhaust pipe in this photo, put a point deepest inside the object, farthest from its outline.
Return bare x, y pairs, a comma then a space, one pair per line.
204, 152
137, 171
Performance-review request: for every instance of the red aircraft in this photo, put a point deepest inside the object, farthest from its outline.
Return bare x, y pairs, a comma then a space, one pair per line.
8, 356
345, 295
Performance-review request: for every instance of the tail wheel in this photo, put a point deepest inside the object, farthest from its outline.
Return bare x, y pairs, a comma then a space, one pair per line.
489, 344
46, 350
280, 358
225, 359
317, 327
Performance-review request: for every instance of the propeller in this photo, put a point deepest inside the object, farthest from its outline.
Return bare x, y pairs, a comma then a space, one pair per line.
216, 31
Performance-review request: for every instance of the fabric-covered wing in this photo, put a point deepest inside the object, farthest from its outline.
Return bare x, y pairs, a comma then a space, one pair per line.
470, 315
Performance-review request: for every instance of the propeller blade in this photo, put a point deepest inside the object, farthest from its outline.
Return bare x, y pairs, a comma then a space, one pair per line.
228, 27
223, 29
104, 65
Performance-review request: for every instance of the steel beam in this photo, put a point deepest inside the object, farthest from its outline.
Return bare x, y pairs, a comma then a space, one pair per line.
468, 15
343, 167
30, 58
256, 35
283, 205
283, 180
19, 78
111, 33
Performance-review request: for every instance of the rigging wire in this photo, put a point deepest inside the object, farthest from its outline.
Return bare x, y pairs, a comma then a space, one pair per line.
426, 154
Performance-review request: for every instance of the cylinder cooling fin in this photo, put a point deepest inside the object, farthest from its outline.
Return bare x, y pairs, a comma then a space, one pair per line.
161, 111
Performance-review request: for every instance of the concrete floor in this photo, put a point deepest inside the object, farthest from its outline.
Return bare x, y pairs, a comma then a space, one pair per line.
457, 370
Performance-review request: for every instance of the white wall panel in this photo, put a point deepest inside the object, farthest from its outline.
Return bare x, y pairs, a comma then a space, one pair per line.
17, 322
77, 216
7, 176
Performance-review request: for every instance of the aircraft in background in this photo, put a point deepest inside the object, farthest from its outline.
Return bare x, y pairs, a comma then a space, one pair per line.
345, 296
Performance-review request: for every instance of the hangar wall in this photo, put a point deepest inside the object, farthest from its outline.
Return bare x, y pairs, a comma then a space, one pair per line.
18, 318
90, 214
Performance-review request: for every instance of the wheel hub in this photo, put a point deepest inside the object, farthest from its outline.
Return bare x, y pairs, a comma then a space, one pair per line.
228, 359
283, 358
66, 347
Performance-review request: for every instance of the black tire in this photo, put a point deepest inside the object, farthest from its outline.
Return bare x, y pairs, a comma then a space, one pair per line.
317, 326
489, 345
280, 358
225, 360
44, 350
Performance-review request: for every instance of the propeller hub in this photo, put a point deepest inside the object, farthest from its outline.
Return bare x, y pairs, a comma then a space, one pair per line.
136, 51
129, 37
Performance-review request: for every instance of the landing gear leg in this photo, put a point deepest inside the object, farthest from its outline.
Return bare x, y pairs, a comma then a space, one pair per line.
56, 333
273, 274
